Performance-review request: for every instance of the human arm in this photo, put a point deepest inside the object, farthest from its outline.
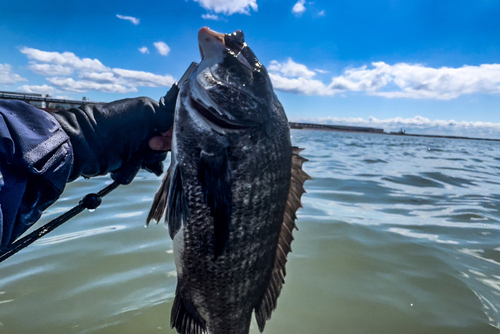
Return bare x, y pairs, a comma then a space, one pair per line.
40, 152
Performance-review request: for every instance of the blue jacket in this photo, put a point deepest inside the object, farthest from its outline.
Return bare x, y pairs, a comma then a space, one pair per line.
40, 152
36, 159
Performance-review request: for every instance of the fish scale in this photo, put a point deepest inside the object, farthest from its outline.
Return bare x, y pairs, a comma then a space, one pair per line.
229, 195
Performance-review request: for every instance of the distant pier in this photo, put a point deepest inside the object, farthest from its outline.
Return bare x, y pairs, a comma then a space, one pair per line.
328, 127
46, 102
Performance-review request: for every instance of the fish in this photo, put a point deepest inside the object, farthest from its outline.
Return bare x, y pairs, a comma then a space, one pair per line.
231, 192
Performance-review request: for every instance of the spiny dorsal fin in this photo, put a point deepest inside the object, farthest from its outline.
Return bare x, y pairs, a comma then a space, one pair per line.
269, 301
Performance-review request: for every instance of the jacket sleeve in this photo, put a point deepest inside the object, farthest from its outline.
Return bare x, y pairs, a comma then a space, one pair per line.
36, 160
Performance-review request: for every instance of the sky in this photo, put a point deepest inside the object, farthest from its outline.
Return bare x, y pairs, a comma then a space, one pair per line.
424, 66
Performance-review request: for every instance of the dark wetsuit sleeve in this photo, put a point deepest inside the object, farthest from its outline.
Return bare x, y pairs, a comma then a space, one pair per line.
35, 163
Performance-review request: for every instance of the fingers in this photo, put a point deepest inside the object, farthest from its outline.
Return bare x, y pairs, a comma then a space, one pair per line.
161, 143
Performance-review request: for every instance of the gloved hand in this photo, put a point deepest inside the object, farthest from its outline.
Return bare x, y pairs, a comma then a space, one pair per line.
119, 137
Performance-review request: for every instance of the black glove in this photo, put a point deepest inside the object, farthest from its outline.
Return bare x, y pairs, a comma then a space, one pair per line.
114, 137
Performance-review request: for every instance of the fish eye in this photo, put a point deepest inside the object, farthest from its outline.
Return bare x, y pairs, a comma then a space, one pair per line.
235, 41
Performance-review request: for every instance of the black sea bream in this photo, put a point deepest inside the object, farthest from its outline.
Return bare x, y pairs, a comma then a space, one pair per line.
231, 191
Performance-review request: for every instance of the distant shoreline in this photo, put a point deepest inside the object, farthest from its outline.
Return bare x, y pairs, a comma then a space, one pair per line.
359, 129
50, 104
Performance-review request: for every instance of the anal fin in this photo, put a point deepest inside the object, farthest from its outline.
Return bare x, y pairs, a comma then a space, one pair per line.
269, 301
184, 317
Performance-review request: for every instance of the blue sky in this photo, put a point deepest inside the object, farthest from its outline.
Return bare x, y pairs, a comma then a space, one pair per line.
421, 65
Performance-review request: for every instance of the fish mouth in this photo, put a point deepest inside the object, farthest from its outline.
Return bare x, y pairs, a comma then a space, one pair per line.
214, 117
209, 39
210, 42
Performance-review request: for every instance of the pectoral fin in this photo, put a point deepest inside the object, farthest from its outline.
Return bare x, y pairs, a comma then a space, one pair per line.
177, 205
170, 198
269, 301
215, 179
160, 201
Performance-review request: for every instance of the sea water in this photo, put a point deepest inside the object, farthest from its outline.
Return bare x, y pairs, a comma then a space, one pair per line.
398, 234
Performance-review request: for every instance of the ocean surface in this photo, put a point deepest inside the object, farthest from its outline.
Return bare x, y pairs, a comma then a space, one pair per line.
398, 234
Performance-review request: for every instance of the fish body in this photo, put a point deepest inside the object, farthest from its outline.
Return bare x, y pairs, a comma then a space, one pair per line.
227, 194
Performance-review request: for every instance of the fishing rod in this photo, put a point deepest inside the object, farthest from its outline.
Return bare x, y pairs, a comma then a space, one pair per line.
89, 201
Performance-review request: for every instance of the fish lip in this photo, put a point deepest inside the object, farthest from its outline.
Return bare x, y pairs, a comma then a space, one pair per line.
214, 117
206, 32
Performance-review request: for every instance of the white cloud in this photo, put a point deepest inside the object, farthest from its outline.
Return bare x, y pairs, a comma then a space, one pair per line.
64, 59
62, 69
392, 81
144, 49
300, 85
147, 79
101, 77
162, 48
417, 125
44, 89
64, 97
320, 71
69, 84
229, 7
291, 69
321, 13
132, 19
299, 7
210, 17
296, 78
50, 69
7, 77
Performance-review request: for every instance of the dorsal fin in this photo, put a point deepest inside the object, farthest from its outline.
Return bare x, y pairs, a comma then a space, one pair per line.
268, 303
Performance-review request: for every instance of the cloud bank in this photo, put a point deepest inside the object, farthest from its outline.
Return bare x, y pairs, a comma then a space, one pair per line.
133, 20
400, 80
7, 77
296, 78
229, 7
66, 60
417, 125
68, 72
34, 89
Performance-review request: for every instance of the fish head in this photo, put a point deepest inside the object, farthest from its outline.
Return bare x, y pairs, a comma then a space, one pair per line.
230, 87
